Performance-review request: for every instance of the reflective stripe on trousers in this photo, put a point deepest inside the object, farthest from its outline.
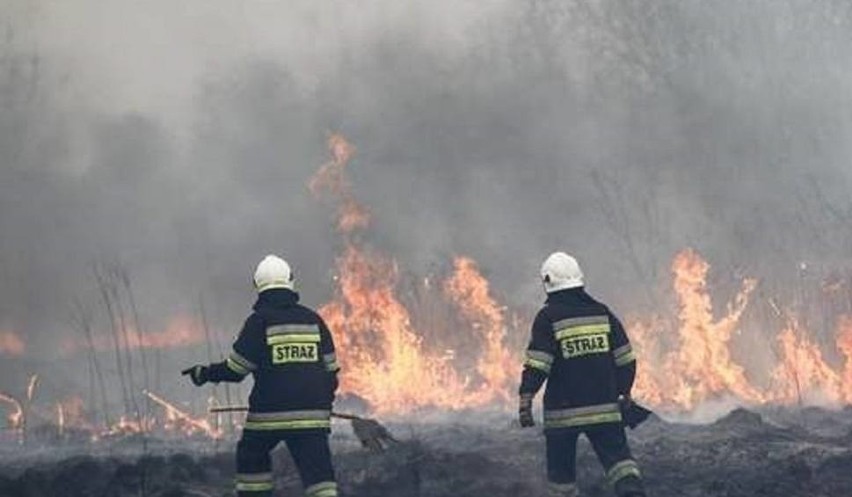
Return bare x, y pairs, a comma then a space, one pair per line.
322, 489
562, 490
582, 416
288, 420
254, 482
622, 469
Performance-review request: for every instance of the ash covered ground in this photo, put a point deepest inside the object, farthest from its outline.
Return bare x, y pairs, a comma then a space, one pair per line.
770, 452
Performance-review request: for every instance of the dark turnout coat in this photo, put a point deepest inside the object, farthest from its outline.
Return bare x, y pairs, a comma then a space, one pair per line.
579, 347
289, 350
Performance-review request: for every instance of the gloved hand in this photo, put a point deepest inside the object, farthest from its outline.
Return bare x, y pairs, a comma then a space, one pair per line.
197, 373
525, 415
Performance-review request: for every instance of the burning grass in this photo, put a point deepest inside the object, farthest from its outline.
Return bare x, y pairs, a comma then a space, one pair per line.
446, 343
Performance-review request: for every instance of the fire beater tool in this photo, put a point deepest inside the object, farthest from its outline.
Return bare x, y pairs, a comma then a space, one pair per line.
372, 434
633, 414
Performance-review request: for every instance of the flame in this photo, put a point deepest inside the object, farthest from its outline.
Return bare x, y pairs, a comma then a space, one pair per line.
398, 365
683, 361
15, 418
383, 355
699, 365
802, 373
31, 387
11, 344
331, 177
60, 419
703, 360
181, 420
469, 290
72, 413
645, 338
844, 345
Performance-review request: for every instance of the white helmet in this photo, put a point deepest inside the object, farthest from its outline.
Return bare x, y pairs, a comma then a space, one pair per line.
561, 271
273, 272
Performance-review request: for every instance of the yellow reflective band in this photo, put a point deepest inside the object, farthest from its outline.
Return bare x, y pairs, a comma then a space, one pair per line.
625, 359
323, 489
236, 367
292, 424
588, 329
330, 361
242, 361
621, 470
535, 364
588, 419
243, 486
540, 356
274, 339
622, 350
289, 329
580, 321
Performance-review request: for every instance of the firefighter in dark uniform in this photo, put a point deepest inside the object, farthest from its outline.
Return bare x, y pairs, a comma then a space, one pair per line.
289, 350
581, 350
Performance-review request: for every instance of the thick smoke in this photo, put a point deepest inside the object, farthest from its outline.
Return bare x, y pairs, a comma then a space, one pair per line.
177, 140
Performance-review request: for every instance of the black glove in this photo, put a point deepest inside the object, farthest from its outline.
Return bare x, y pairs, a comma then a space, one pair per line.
632, 414
525, 415
197, 373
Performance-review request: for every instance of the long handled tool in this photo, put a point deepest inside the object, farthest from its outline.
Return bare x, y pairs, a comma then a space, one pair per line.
372, 434
633, 414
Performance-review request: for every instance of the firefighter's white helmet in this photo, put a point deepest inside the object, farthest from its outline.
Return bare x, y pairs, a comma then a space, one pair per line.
560, 271
273, 272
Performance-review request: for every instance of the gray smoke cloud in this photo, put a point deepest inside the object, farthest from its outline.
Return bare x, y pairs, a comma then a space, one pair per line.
177, 139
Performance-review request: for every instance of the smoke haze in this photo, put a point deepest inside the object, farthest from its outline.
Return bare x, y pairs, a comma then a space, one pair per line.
177, 139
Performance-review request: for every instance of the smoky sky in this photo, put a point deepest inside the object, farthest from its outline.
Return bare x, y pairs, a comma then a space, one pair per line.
177, 140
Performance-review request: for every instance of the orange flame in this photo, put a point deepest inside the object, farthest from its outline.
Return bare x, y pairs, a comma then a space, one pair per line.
803, 375
331, 177
180, 419
16, 417
844, 344
11, 344
704, 359
698, 365
72, 413
645, 338
497, 366
383, 356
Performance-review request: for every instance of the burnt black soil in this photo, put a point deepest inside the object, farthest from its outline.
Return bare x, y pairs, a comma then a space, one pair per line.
774, 453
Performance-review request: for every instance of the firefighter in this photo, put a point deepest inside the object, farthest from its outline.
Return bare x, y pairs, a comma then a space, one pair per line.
580, 349
289, 350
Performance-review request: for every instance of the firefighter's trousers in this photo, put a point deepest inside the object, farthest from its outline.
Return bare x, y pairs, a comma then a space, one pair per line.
609, 443
310, 453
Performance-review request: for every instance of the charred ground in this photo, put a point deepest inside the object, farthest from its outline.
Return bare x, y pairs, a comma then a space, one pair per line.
774, 452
